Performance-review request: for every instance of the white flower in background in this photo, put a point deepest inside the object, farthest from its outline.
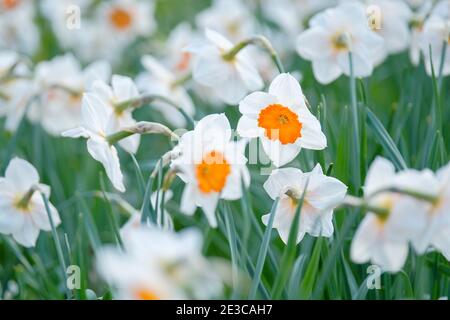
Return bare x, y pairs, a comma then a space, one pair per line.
436, 218
332, 35
232, 18
229, 79
291, 15
177, 58
281, 119
22, 209
390, 20
8, 59
158, 80
61, 83
16, 89
416, 23
435, 33
383, 238
322, 195
67, 26
160, 265
122, 89
127, 19
97, 123
17, 28
212, 166
123, 21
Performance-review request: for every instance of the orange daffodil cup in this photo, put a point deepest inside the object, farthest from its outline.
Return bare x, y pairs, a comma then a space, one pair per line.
212, 166
281, 119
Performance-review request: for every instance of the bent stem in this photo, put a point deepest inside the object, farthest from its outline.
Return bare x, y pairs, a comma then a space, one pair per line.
352, 201
142, 127
148, 99
354, 104
433, 199
261, 42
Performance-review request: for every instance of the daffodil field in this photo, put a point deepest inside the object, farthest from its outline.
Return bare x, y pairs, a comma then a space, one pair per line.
224, 149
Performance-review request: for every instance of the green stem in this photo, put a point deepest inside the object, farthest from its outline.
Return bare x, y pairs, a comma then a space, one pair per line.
142, 127
23, 203
441, 64
182, 80
352, 201
433, 199
260, 41
58, 246
355, 117
148, 99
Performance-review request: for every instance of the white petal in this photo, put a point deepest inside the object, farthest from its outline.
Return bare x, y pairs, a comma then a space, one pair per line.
21, 174
252, 104
95, 113
218, 40
326, 70
281, 180
325, 192
313, 44
27, 234
124, 88
365, 239
249, 74
287, 90
209, 204
379, 176
188, 205
279, 153
247, 127
107, 155
312, 136
40, 216
79, 132
10, 219
391, 256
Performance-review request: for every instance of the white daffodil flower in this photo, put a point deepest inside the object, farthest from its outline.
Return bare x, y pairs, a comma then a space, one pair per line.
281, 119
61, 83
176, 57
16, 89
22, 209
382, 238
18, 30
417, 22
229, 78
436, 33
97, 123
122, 89
436, 217
158, 80
212, 166
390, 20
127, 19
160, 265
237, 24
322, 195
332, 35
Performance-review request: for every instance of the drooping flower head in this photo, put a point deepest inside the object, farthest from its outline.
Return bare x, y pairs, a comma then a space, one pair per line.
322, 195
